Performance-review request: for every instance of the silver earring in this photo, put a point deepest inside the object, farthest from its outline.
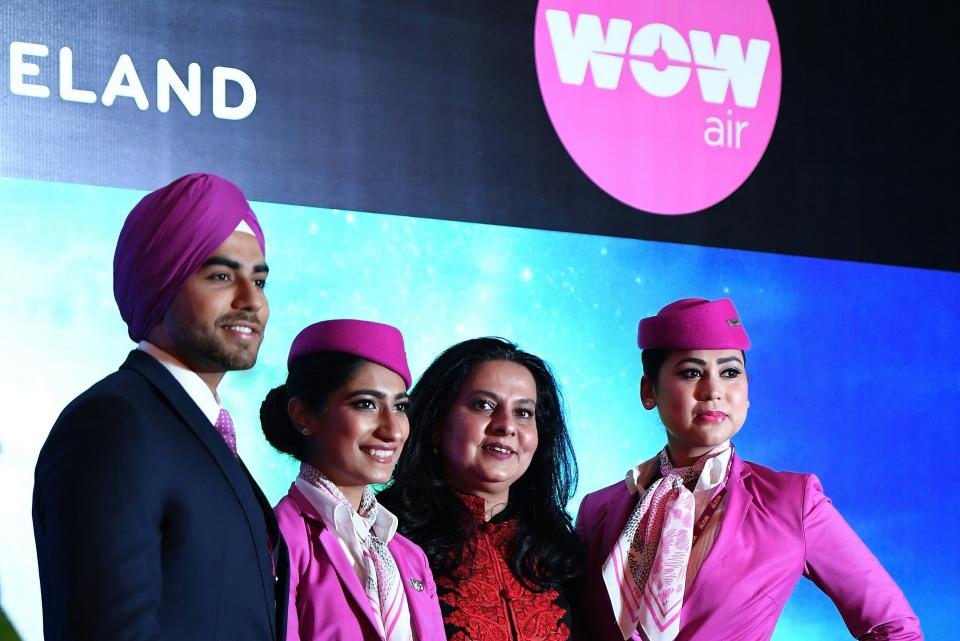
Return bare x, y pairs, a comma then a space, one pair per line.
305, 431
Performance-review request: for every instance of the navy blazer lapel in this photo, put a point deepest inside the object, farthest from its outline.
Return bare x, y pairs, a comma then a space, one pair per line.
151, 369
232, 468
280, 557
739, 502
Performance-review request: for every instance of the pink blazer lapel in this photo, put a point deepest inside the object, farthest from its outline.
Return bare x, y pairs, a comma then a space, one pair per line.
348, 576
415, 586
338, 558
618, 510
739, 502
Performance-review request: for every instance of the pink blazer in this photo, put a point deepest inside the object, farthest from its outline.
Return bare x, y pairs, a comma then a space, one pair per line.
327, 602
778, 526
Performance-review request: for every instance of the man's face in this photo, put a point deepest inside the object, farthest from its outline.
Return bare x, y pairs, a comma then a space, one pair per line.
215, 324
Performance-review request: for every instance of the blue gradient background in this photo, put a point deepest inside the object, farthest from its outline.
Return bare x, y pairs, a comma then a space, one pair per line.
853, 370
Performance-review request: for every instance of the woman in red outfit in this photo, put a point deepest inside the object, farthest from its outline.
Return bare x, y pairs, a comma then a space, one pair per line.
482, 487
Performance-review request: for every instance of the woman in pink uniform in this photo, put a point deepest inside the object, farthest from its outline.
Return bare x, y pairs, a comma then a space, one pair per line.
342, 414
698, 544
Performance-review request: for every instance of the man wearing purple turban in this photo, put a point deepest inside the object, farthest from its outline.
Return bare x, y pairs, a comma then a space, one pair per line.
148, 524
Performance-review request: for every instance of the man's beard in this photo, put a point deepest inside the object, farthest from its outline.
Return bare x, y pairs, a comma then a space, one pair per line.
204, 350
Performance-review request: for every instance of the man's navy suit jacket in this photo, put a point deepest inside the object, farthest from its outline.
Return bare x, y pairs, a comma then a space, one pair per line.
147, 526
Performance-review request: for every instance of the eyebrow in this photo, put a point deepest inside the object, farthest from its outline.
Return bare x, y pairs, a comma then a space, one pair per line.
232, 264
702, 363
375, 393
497, 396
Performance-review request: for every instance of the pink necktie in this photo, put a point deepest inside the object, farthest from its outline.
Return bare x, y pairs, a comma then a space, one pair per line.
224, 425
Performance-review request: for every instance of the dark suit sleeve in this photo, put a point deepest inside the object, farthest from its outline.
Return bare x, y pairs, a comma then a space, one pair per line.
841, 565
98, 522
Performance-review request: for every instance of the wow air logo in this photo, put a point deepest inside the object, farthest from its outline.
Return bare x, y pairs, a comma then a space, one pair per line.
667, 105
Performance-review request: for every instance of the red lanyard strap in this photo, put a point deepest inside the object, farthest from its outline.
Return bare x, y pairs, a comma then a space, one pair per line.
701, 523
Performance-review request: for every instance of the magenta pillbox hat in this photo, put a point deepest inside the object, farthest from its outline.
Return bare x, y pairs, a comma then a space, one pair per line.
167, 237
694, 323
376, 342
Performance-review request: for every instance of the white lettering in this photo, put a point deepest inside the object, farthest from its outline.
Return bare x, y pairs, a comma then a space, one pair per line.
67, 90
189, 94
713, 135
727, 66
124, 82
588, 46
716, 136
665, 60
659, 38
19, 68
132, 88
221, 75
741, 125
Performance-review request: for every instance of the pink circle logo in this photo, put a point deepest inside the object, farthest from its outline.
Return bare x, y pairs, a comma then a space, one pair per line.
667, 105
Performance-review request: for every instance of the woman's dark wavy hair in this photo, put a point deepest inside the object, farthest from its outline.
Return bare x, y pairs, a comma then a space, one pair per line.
546, 551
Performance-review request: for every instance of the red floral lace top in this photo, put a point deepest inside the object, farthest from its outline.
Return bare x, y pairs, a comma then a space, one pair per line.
485, 602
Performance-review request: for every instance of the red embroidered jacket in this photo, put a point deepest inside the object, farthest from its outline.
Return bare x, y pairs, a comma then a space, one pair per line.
483, 600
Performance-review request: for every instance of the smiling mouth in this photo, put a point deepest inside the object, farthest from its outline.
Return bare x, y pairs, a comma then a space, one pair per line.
379, 454
239, 328
498, 448
244, 332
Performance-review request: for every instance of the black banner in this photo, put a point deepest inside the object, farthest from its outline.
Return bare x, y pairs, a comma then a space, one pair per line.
433, 109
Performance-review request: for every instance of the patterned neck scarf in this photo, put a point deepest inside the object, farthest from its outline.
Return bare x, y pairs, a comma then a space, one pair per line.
383, 584
645, 573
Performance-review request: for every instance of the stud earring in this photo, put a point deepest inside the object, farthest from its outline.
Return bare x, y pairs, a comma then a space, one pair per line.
305, 431
648, 403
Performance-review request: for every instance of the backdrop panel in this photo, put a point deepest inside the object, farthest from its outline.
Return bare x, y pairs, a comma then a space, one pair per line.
850, 370
433, 109
430, 115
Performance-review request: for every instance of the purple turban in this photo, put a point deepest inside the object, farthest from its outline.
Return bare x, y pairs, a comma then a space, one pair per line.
165, 240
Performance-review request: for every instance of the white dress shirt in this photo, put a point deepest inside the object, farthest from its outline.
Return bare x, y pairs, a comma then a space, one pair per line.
189, 380
349, 527
352, 533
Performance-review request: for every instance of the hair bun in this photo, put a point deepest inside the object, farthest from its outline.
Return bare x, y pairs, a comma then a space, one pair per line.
275, 422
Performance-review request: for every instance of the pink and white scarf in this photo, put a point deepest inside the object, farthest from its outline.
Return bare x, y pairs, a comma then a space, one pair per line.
383, 584
645, 573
